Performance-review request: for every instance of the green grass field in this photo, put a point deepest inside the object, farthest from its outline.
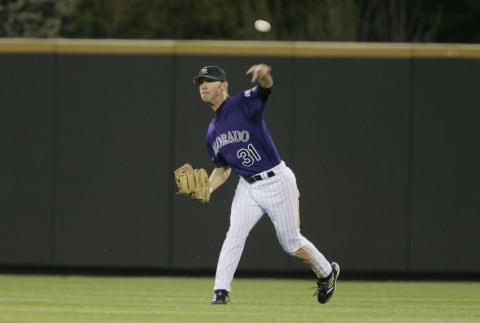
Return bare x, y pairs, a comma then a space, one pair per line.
45, 298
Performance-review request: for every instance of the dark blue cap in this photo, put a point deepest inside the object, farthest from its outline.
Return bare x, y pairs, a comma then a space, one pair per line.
215, 73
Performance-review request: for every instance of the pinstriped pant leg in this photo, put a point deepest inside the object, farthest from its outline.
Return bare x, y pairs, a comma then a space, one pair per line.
281, 201
245, 213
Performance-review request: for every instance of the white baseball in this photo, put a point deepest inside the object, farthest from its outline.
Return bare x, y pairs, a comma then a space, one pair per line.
262, 25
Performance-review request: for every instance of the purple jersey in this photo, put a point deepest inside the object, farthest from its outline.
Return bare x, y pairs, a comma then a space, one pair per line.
238, 136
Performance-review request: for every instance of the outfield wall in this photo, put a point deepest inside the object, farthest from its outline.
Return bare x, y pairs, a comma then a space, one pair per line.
384, 139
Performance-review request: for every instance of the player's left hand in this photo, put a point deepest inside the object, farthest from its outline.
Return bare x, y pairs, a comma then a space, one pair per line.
193, 182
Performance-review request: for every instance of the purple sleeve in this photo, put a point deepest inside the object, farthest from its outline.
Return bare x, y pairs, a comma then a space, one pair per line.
254, 107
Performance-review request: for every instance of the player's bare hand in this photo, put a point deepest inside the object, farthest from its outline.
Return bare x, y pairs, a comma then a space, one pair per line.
261, 75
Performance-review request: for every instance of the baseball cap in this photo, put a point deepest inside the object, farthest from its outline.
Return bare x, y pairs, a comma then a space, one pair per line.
211, 72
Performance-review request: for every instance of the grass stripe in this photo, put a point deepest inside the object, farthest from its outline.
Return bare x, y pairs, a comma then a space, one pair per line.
43, 298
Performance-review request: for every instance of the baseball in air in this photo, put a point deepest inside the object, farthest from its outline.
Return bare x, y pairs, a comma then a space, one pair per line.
262, 25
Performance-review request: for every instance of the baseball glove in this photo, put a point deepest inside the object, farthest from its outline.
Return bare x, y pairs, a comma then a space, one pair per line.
193, 182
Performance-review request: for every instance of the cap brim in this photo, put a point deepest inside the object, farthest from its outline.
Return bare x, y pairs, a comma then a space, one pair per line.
196, 79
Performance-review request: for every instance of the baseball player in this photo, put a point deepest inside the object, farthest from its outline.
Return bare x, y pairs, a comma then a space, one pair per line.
238, 140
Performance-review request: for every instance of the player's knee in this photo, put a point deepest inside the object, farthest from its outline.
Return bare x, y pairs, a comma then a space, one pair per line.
291, 247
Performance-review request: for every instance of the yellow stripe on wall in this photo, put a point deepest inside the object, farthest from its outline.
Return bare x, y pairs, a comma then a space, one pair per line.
239, 48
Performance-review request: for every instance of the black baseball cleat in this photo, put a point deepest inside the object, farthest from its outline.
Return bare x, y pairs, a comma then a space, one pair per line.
220, 297
327, 286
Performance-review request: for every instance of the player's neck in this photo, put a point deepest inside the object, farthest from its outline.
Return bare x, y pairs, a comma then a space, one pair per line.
216, 105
